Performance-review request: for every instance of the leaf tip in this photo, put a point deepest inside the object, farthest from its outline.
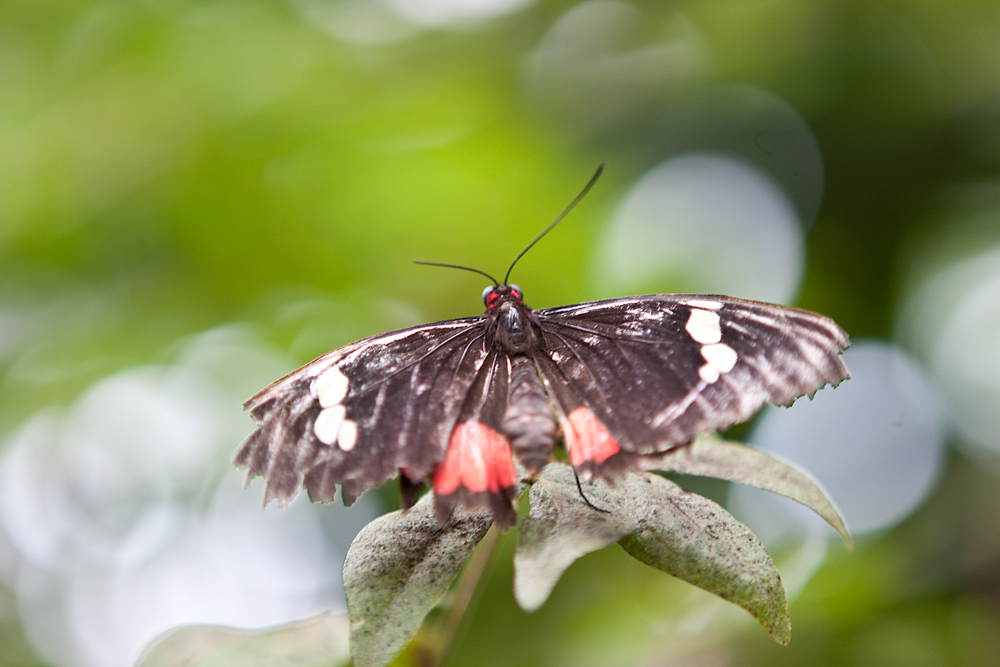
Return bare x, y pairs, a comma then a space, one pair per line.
530, 599
783, 633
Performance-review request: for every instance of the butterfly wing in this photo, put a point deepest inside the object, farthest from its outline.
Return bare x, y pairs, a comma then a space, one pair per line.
357, 415
641, 375
478, 469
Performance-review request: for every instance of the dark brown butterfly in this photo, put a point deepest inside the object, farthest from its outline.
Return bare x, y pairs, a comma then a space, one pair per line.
456, 403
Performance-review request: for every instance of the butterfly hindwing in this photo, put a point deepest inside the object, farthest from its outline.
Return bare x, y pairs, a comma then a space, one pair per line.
657, 370
478, 468
355, 416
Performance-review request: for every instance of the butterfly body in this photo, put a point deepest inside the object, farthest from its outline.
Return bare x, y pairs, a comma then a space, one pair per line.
456, 403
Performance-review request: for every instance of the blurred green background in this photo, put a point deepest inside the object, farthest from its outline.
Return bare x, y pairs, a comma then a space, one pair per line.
269, 168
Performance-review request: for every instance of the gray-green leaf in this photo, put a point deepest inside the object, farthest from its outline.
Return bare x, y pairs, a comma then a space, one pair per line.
398, 568
317, 642
696, 540
561, 528
713, 457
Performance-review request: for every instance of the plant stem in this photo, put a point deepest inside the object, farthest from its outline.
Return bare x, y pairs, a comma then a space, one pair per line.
466, 592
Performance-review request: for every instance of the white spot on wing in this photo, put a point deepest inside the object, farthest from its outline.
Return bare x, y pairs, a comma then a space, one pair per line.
700, 303
709, 374
348, 436
331, 387
720, 356
328, 424
704, 326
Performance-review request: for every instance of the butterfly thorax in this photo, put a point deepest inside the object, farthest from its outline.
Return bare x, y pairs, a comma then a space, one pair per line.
511, 326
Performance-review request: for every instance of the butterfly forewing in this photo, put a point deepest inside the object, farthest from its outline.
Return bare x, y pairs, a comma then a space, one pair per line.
657, 370
358, 414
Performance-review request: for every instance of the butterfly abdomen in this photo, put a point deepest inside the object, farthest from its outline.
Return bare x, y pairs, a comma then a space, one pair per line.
529, 422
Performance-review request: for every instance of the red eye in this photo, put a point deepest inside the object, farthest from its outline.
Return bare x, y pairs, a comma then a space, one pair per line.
489, 295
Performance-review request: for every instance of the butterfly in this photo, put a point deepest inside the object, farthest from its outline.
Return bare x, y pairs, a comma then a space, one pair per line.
472, 406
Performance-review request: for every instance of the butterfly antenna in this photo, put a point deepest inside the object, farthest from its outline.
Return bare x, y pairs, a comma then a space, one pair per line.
579, 488
457, 266
572, 204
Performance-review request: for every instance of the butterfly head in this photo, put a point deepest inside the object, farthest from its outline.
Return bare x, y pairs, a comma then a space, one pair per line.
494, 295
511, 325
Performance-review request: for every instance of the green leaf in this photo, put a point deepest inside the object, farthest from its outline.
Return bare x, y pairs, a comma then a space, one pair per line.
656, 521
561, 528
713, 457
317, 642
398, 568
696, 540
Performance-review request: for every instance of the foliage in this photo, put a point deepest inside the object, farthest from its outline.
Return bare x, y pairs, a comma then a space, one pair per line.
402, 564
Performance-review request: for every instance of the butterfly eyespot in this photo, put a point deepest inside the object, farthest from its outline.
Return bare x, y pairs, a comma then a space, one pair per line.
486, 294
